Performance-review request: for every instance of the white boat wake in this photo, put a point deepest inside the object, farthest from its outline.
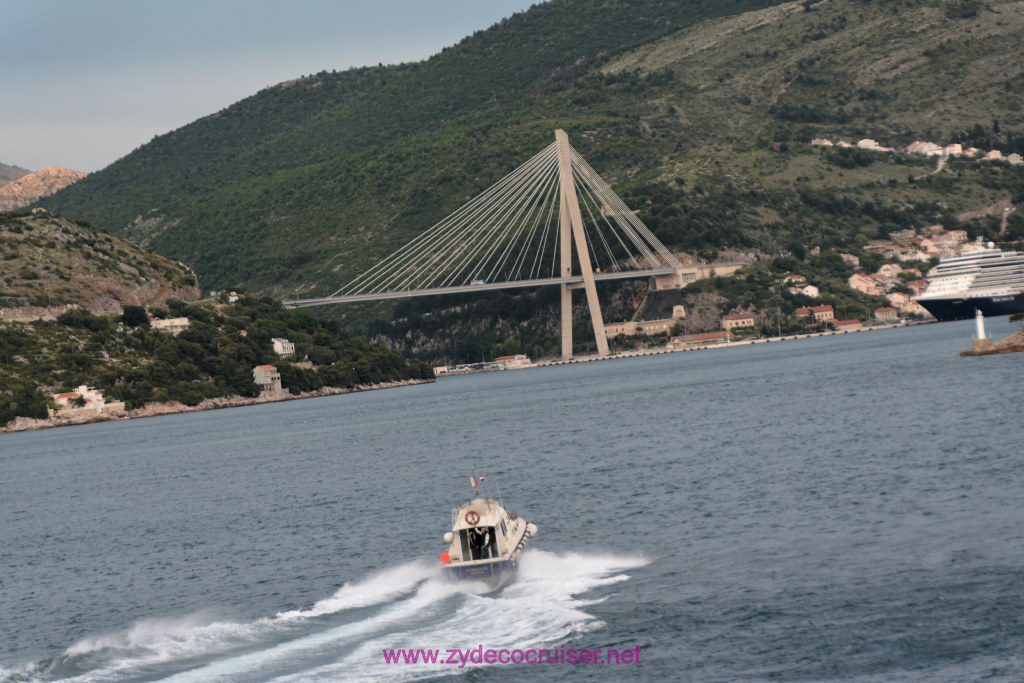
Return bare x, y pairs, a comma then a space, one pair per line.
406, 607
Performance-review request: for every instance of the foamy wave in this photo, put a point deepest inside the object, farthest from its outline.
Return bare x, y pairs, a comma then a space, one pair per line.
151, 642
377, 588
423, 601
146, 633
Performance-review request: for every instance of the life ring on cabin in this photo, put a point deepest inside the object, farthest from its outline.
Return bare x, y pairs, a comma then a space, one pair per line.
472, 517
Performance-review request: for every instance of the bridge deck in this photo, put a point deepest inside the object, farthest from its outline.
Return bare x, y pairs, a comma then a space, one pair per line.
573, 281
483, 287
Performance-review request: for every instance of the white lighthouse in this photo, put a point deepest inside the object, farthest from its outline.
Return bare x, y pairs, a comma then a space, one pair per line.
981, 341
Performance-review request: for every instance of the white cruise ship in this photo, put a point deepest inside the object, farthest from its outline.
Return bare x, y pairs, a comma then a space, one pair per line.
987, 279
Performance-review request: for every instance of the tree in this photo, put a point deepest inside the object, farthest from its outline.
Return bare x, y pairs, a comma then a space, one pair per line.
135, 316
82, 319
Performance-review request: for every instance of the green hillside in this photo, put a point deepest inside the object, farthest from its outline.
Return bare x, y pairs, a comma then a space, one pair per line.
281, 180
699, 114
131, 361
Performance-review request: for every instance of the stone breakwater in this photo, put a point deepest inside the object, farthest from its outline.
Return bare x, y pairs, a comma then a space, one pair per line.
1012, 344
22, 424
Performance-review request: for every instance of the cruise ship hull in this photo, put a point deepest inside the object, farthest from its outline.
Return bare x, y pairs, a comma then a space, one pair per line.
962, 308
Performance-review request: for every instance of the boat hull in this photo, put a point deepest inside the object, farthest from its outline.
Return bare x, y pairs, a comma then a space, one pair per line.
962, 308
495, 570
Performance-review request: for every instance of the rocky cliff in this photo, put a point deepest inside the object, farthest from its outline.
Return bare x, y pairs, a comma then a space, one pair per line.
36, 185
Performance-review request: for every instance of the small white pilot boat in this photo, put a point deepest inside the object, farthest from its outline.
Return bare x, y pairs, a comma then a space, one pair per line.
486, 540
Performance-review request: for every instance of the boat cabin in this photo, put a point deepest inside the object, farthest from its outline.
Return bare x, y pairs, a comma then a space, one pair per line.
482, 530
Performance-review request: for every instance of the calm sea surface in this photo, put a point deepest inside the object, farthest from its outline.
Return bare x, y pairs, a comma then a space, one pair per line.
843, 508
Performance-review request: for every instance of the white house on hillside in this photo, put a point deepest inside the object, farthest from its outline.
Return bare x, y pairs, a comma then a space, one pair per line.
283, 347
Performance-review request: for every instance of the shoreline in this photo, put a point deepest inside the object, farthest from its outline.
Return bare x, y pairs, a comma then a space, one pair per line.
657, 350
27, 424
22, 424
740, 342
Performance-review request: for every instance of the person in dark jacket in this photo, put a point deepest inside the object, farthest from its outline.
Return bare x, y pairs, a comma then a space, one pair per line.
481, 543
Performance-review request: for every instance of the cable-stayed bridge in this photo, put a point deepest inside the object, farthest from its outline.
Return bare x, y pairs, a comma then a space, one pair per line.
552, 221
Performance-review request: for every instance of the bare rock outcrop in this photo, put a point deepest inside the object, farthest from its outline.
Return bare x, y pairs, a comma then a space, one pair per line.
36, 185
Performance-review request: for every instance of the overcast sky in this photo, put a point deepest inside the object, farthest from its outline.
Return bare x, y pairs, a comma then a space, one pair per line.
84, 82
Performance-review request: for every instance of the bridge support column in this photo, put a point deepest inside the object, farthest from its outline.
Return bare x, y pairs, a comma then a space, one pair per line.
571, 220
566, 322
565, 265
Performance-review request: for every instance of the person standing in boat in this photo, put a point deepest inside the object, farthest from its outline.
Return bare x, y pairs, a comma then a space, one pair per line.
481, 543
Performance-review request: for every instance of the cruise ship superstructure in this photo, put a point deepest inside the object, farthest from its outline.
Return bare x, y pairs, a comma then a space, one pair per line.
987, 279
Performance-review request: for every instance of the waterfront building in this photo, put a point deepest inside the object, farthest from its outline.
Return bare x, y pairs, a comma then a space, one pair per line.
703, 339
819, 314
737, 320
85, 399
634, 327
511, 362
267, 378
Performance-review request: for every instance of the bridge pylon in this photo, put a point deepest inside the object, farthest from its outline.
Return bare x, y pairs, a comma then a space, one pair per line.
571, 231
550, 216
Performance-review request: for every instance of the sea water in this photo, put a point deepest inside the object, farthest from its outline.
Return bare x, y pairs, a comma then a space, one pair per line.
840, 508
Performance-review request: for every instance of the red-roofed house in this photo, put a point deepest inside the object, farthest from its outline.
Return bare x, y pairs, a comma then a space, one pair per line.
267, 378
887, 314
864, 283
847, 325
898, 299
823, 314
84, 400
883, 281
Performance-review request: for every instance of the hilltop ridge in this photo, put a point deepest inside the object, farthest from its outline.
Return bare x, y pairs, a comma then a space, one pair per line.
9, 173
33, 186
52, 264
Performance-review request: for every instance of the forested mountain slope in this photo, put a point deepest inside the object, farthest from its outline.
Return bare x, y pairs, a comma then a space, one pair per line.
698, 113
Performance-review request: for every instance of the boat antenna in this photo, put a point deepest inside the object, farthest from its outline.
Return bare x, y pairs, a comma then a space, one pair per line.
500, 499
